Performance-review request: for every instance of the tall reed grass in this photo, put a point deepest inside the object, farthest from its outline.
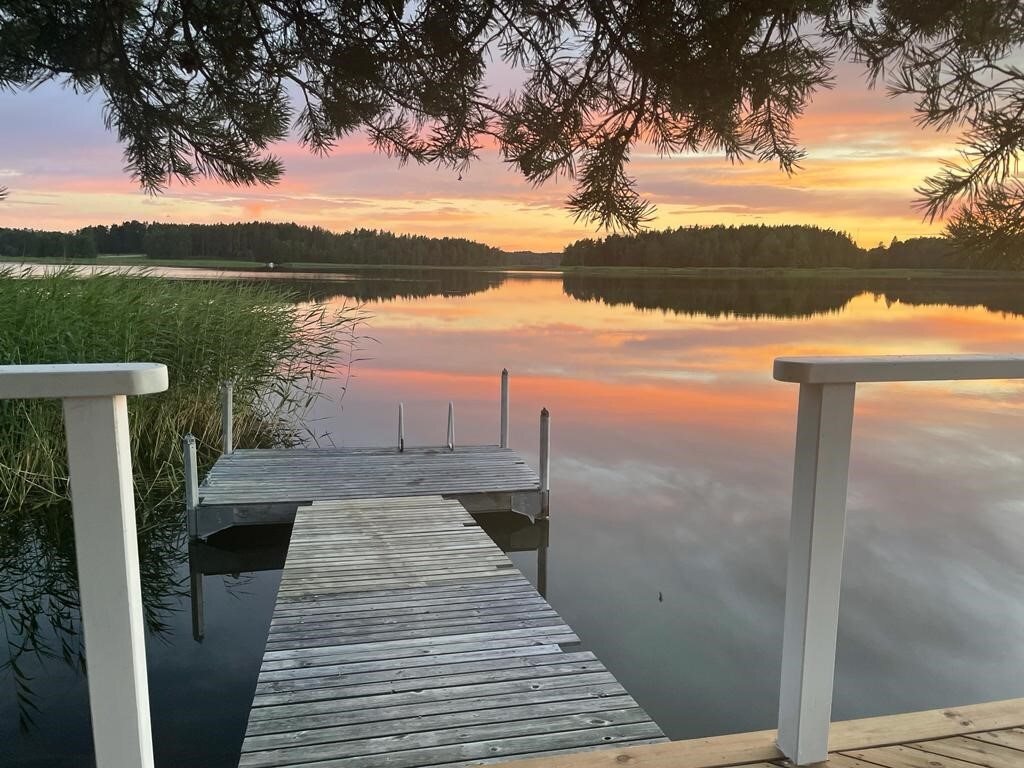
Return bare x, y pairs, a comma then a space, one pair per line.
274, 348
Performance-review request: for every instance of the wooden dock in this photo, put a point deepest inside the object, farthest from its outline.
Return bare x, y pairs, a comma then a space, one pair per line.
305, 475
266, 486
987, 735
404, 637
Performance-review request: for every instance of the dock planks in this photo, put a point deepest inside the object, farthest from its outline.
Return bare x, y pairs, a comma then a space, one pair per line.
404, 637
304, 475
989, 735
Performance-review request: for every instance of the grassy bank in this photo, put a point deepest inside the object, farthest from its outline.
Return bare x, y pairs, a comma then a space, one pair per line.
204, 332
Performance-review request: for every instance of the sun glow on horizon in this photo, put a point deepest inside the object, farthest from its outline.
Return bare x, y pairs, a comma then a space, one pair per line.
864, 157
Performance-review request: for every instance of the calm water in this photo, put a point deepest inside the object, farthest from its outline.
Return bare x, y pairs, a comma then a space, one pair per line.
672, 461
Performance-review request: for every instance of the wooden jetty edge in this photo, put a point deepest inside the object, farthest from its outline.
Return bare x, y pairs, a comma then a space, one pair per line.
404, 637
989, 735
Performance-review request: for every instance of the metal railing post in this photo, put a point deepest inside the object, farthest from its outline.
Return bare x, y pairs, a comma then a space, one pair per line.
401, 427
191, 465
106, 544
227, 416
503, 441
817, 526
545, 462
451, 426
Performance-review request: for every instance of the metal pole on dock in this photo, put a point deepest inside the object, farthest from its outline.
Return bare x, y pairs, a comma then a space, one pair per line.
401, 427
451, 426
227, 416
545, 462
504, 409
188, 447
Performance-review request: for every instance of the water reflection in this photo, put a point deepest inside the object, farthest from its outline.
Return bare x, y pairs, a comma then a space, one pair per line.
790, 297
672, 464
39, 599
671, 471
232, 552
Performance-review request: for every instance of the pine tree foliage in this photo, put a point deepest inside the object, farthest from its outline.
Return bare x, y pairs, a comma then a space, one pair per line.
199, 88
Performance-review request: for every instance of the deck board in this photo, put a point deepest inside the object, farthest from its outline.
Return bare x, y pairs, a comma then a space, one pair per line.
403, 636
939, 738
303, 475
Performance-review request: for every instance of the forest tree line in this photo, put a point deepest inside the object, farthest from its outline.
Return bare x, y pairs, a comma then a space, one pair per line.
261, 242
757, 246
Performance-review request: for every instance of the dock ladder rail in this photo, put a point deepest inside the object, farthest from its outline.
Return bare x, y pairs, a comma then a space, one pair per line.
106, 547
818, 521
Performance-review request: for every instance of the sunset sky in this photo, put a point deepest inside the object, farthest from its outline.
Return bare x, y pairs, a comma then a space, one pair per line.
865, 155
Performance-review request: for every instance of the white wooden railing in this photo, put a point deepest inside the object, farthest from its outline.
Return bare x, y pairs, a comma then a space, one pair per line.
99, 458
818, 521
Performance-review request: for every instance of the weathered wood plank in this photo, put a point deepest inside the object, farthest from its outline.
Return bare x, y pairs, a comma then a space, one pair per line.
432, 722
759, 746
906, 757
1010, 737
423, 649
390, 711
331, 474
502, 732
974, 751
403, 636
495, 663
450, 682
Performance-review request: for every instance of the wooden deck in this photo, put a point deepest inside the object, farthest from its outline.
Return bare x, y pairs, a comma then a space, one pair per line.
305, 475
982, 735
404, 637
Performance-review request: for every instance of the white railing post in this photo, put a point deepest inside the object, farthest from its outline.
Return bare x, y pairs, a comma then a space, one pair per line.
817, 526
824, 426
545, 462
401, 427
227, 416
503, 441
106, 547
188, 449
451, 426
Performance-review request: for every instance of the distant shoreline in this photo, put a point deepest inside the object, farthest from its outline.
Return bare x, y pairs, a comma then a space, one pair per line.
230, 265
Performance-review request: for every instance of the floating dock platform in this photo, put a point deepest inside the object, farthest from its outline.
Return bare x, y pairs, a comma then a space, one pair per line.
267, 486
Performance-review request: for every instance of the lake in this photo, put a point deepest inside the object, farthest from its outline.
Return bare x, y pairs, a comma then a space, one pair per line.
671, 473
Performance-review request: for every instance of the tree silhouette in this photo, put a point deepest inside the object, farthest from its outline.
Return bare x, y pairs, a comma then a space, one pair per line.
990, 233
196, 88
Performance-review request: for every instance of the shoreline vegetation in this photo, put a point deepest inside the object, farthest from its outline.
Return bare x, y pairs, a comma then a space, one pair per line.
261, 336
274, 347
698, 251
